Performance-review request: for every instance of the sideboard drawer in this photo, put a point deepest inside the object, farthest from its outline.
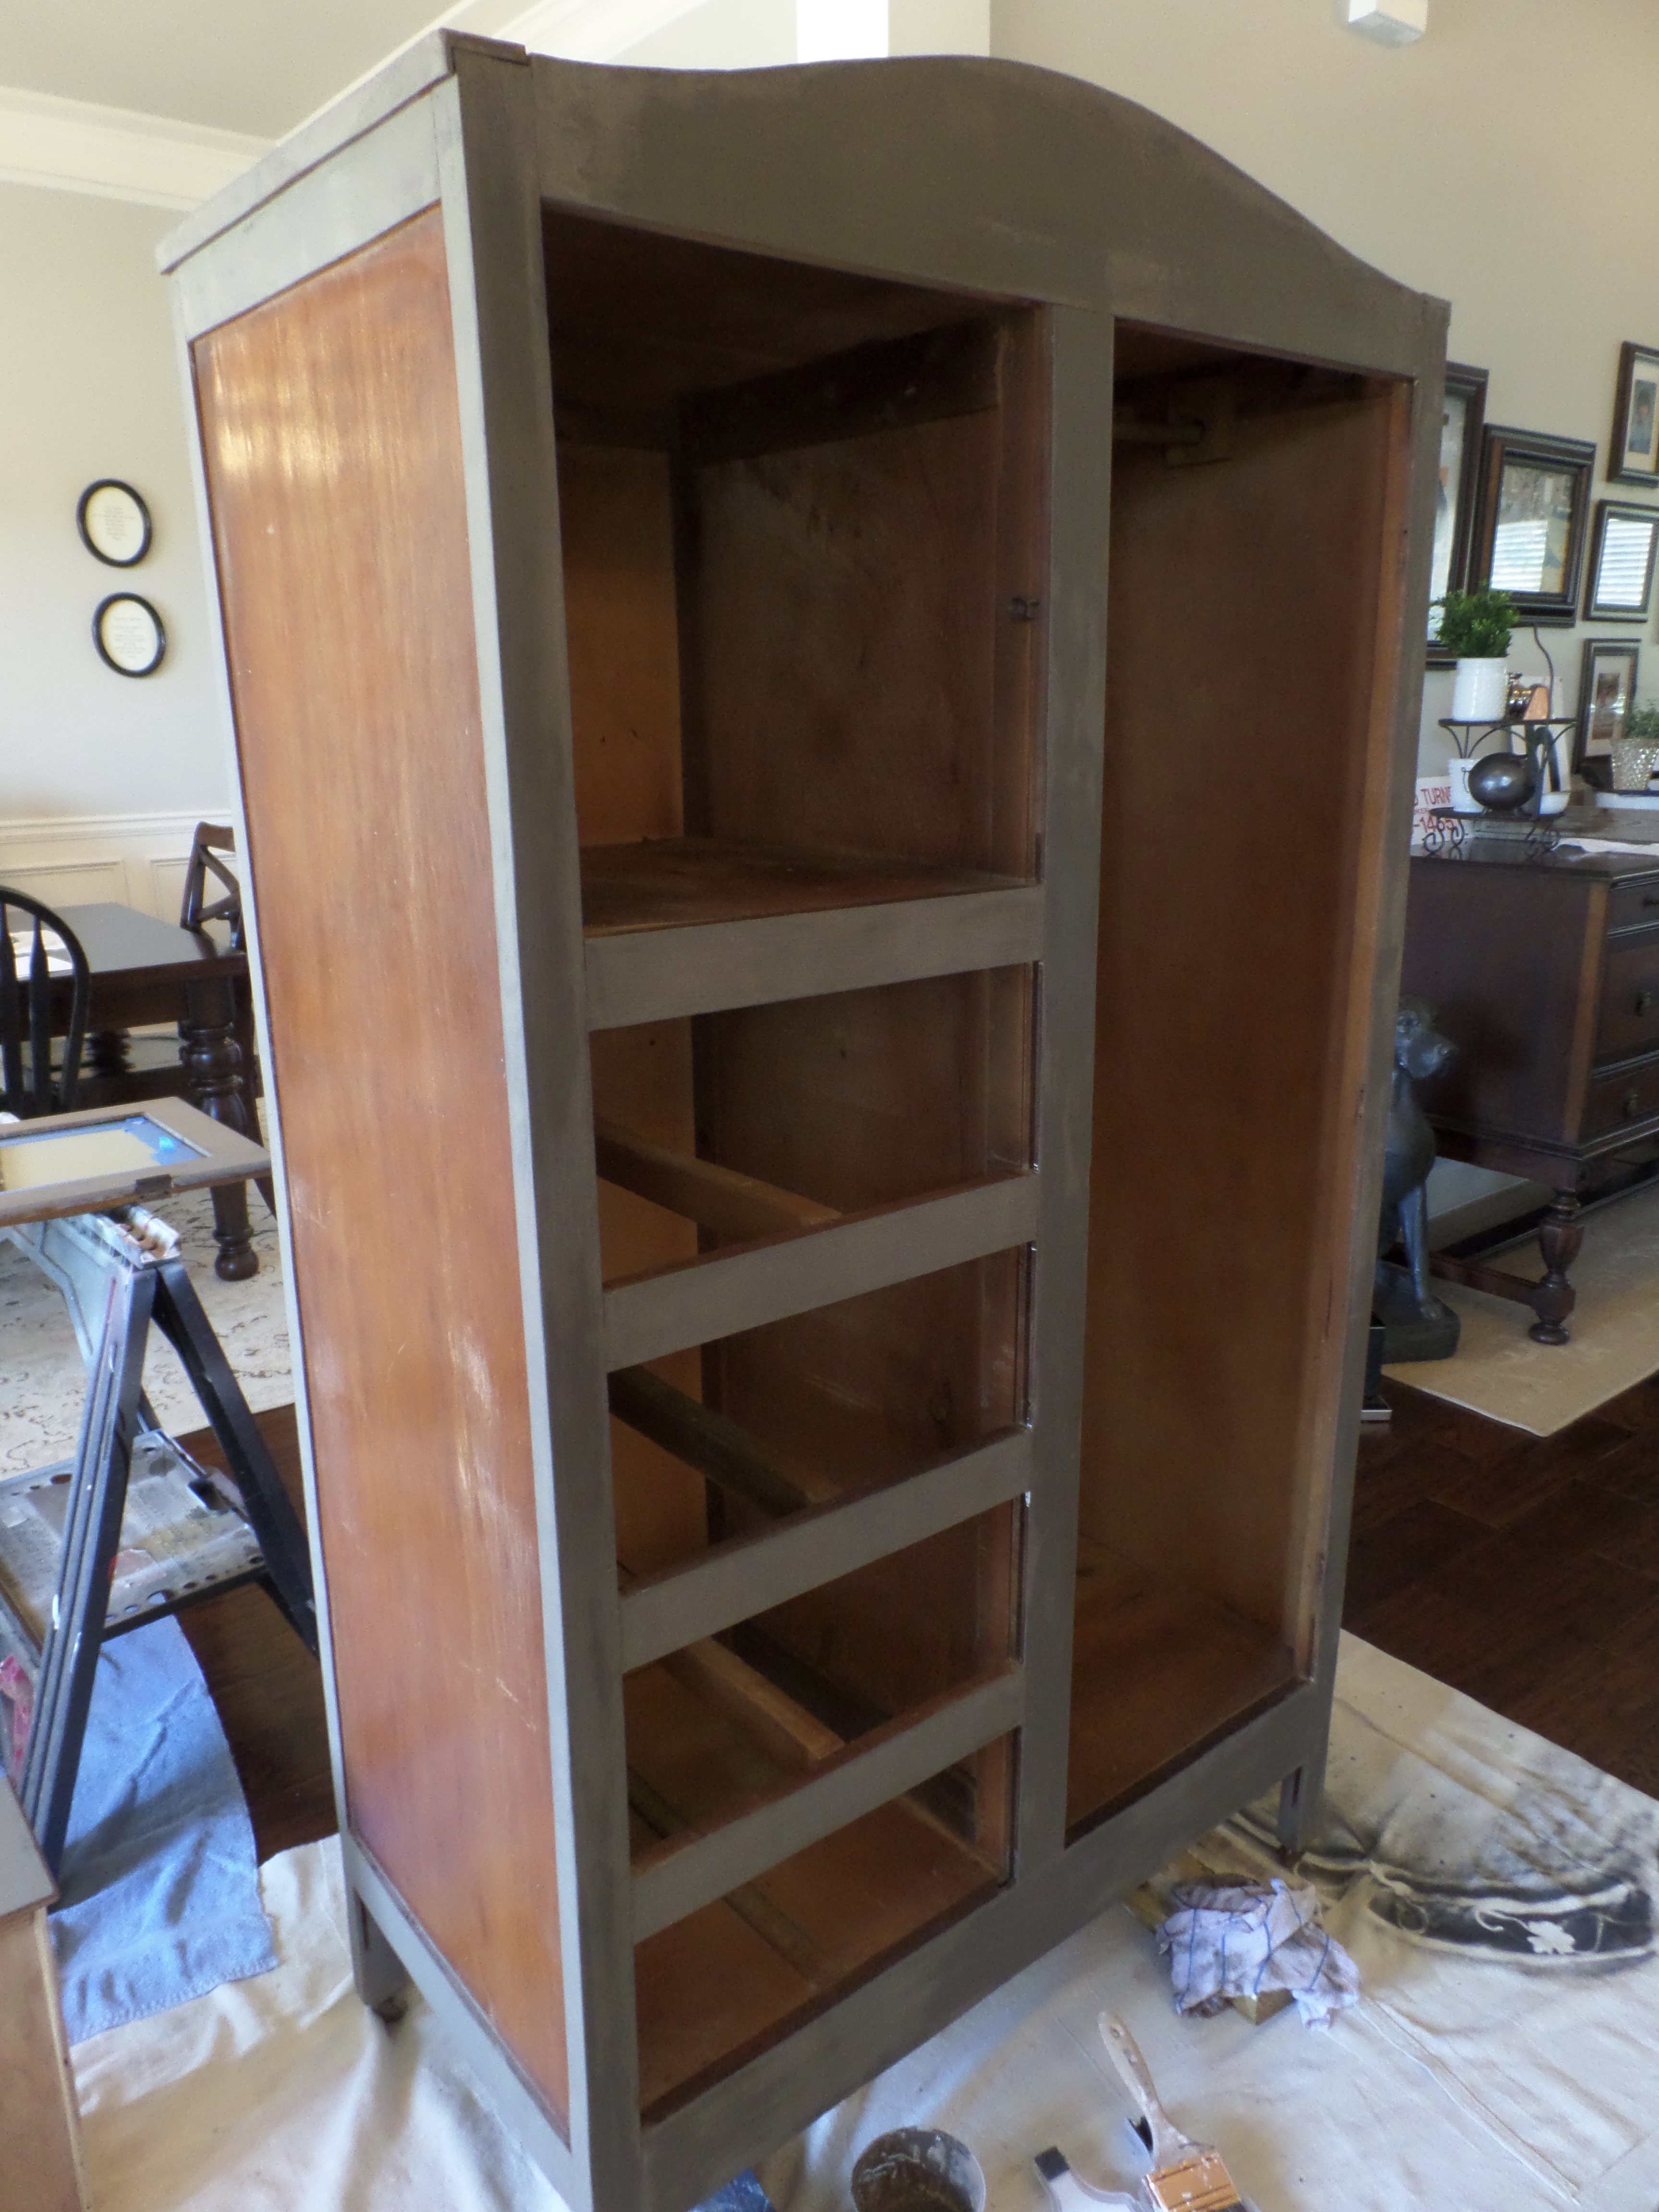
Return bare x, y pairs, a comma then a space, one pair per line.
1634, 904
1630, 999
1627, 1098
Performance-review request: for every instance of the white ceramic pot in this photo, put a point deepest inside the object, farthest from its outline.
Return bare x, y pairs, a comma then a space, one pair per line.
1480, 691
1458, 770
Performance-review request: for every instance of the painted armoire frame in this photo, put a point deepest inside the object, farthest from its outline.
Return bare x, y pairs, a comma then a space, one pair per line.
823, 667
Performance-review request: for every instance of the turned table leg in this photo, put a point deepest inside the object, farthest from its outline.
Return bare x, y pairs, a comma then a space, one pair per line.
1553, 1298
213, 1079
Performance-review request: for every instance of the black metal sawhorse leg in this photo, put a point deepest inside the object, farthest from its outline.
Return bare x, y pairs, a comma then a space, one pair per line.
142, 1280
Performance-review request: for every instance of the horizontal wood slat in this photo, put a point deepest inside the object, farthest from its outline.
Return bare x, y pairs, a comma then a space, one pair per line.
753, 1573
685, 1874
656, 975
715, 1297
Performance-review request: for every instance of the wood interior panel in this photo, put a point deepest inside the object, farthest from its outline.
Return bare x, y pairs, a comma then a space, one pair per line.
623, 637
638, 318
1158, 1671
1243, 638
714, 1988
844, 598
643, 1080
331, 436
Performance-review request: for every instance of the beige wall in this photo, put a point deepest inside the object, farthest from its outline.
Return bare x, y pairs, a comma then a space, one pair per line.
1507, 162
88, 388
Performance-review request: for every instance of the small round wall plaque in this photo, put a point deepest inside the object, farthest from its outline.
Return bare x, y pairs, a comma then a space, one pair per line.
113, 522
127, 634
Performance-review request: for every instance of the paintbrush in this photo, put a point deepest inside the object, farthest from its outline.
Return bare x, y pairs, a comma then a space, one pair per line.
1185, 2176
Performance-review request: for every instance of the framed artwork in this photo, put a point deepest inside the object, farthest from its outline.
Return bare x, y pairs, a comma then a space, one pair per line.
1621, 561
1531, 522
114, 522
1633, 455
1462, 419
127, 634
1606, 691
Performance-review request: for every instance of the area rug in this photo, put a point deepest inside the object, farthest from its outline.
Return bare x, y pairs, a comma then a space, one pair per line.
1500, 1371
1497, 1892
160, 1884
44, 1380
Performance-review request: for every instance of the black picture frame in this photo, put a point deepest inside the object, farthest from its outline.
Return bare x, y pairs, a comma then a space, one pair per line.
1535, 490
1623, 539
105, 608
1463, 421
97, 551
1633, 448
1605, 658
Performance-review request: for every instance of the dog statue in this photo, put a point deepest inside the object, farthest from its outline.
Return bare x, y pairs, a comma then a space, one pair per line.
1416, 1324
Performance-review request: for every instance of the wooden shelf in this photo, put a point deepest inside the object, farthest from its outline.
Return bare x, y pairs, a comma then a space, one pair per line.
674, 883
718, 1986
1158, 1673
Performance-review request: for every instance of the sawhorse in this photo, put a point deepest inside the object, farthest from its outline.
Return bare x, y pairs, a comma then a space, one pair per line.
118, 1273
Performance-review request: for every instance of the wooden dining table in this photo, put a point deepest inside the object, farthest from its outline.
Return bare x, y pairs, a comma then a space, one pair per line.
145, 971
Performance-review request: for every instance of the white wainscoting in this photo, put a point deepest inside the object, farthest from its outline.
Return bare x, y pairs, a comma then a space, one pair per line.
137, 860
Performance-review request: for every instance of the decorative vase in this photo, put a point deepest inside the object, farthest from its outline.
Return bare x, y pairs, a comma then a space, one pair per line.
1633, 762
1457, 771
1502, 781
1480, 691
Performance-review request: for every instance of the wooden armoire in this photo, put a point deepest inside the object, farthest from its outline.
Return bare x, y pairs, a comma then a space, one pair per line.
823, 667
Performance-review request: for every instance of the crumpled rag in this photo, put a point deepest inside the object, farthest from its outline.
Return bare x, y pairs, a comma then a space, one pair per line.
1242, 1939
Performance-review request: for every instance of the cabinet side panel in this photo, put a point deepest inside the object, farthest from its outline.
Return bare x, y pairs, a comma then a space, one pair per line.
332, 438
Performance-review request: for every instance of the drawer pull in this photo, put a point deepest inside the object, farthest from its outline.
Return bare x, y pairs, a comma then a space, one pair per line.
1644, 1002
1632, 1105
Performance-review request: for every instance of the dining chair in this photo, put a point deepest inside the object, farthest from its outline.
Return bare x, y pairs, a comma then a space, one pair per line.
31, 973
197, 910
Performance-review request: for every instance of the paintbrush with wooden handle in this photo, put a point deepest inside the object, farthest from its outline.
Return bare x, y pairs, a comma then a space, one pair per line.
1185, 2176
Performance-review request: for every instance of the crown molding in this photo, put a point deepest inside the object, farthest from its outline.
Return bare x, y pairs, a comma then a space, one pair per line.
74, 146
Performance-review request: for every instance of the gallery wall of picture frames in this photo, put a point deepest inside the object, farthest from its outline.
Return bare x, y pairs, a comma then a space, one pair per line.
115, 527
1515, 513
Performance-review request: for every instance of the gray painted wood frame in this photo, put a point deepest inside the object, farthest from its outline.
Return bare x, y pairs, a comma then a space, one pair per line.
1096, 211
749, 1575
771, 1279
681, 1875
656, 975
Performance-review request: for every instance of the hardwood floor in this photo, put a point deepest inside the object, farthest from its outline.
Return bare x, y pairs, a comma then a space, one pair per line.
1524, 1571
268, 1687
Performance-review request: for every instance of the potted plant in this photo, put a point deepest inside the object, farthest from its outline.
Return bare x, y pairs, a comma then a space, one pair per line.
1475, 626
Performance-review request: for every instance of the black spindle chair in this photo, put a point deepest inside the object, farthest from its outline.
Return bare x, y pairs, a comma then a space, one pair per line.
197, 910
34, 1003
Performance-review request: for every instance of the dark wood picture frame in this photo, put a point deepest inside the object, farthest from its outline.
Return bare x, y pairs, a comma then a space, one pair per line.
1615, 515
1463, 420
1509, 455
1635, 459
1601, 655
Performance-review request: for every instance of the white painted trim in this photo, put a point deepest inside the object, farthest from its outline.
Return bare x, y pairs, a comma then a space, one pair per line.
138, 860
74, 145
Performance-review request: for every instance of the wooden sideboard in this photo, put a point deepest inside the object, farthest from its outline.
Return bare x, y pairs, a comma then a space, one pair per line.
1543, 969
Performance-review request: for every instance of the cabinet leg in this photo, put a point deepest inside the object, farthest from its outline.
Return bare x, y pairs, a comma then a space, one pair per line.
213, 1082
1559, 1238
378, 1970
1301, 1803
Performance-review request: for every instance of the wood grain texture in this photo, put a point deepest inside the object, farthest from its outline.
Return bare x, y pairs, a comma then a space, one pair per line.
40, 2129
331, 439
1226, 1095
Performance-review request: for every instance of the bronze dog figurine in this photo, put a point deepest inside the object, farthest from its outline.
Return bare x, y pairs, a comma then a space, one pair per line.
1417, 1324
